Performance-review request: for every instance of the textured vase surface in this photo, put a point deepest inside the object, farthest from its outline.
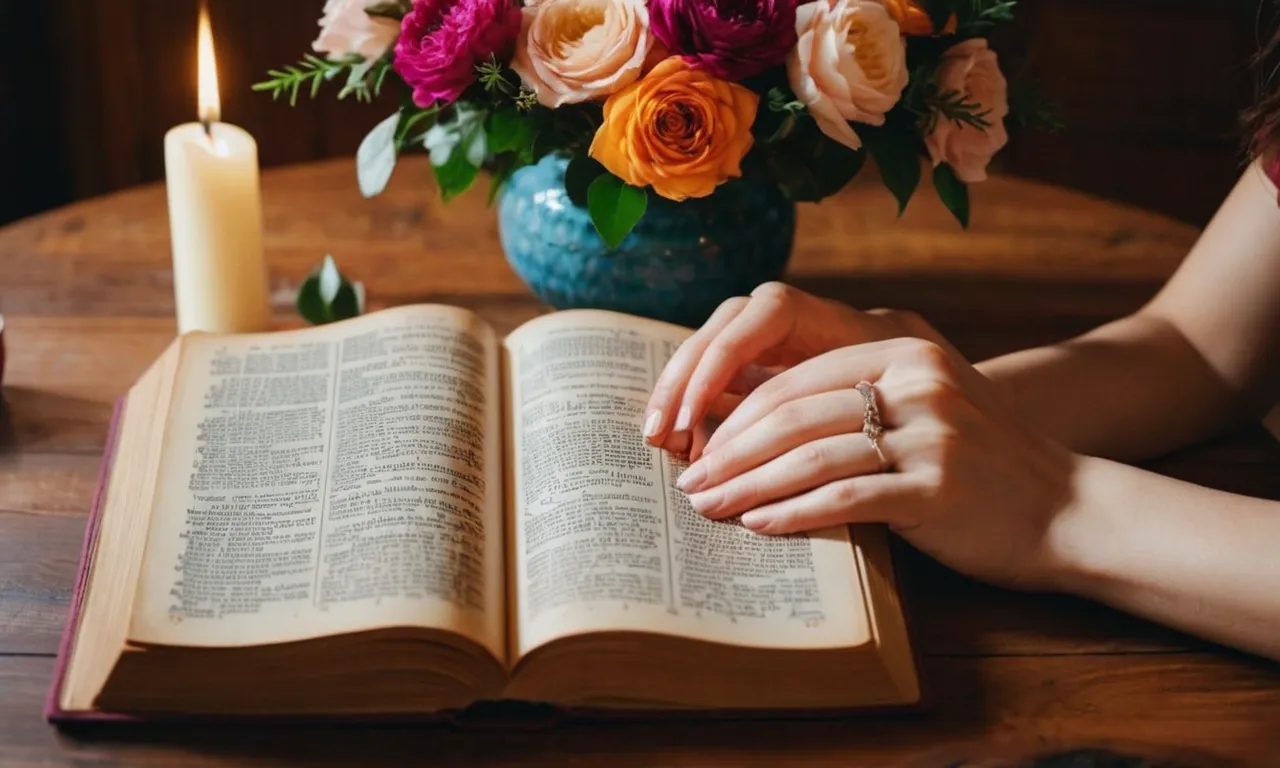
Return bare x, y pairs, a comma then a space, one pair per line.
679, 263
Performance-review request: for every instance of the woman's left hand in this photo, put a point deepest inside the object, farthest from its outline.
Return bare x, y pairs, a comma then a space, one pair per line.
964, 481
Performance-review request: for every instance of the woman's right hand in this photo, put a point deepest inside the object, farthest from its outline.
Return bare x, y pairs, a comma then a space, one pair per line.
748, 340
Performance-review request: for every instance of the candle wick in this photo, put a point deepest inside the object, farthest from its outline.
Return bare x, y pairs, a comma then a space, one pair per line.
208, 127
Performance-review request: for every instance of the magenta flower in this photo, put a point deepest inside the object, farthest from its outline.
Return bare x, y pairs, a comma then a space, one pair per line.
731, 39
442, 41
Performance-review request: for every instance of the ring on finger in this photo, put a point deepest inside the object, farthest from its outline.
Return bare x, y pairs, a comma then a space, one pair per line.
871, 424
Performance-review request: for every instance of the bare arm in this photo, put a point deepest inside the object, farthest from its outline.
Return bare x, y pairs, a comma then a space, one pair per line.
1197, 559
1204, 354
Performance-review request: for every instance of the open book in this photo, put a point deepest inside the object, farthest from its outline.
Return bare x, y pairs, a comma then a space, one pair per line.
403, 514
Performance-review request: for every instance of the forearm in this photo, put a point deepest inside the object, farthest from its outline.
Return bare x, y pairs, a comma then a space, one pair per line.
1197, 559
1130, 390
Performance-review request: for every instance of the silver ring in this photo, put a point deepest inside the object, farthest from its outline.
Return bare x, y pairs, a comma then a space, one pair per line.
871, 426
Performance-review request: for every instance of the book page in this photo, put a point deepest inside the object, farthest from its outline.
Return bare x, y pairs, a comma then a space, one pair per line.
604, 541
330, 480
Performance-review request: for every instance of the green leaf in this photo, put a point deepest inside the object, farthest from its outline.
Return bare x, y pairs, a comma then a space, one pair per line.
346, 304
392, 9
509, 131
898, 158
808, 166
500, 173
410, 117
615, 208
376, 157
455, 176
953, 192
310, 305
326, 296
582, 170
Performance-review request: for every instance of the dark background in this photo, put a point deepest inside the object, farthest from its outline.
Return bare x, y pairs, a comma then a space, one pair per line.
1150, 91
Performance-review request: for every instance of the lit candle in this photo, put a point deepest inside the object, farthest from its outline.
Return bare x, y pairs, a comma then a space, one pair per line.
215, 215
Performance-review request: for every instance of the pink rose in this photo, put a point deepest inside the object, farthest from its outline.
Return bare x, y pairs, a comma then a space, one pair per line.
970, 68
850, 63
442, 41
346, 29
576, 50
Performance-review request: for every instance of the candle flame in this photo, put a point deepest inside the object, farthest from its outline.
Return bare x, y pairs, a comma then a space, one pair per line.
210, 107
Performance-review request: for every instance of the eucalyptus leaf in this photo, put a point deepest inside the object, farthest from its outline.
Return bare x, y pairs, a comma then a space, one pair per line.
462, 128
355, 80
615, 208
330, 280
953, 192
898, 158
376, 157
440, 141
476, 146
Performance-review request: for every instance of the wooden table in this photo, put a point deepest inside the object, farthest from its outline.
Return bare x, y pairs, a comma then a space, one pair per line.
87, 293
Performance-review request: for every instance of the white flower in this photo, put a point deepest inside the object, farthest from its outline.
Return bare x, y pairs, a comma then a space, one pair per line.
346, 29
850, 63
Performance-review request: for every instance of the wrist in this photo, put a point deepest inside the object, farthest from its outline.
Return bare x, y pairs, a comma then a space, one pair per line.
1002, 381
1079, 537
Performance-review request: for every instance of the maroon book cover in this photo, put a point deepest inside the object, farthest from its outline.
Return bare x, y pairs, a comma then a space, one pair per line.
53, 711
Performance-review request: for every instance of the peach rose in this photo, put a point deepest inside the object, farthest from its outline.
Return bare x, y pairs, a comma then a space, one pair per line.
914, 20
678, 129
850, 64
970, 68
345, 29
576, 50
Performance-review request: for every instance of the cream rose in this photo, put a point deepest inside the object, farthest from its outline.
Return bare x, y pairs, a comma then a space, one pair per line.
576, 50
970, 68
345, 29
850, 63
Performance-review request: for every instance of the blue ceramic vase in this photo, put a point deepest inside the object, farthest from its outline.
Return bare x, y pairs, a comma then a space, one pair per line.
679, 263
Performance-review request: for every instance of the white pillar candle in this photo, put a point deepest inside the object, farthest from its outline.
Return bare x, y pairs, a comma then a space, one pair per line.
215, 216
215, 219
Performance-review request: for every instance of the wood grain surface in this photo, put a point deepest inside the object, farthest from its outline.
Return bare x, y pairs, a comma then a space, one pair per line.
87, 294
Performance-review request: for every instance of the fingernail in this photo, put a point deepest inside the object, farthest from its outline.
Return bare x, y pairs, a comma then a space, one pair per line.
652, 423
692, 478
706, 503
684, 419
754, 521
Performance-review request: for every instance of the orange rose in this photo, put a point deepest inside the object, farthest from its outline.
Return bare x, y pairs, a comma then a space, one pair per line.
914, 20
677, 129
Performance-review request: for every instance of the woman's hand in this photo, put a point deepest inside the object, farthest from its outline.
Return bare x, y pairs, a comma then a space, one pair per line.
965, 482
746, 341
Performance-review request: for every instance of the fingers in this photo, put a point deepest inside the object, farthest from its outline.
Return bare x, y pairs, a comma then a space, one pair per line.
840, 369
797, 471
660, 415
766, 322
791, 425
875, 498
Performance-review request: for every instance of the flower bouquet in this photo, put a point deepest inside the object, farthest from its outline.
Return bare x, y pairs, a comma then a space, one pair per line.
664, 105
